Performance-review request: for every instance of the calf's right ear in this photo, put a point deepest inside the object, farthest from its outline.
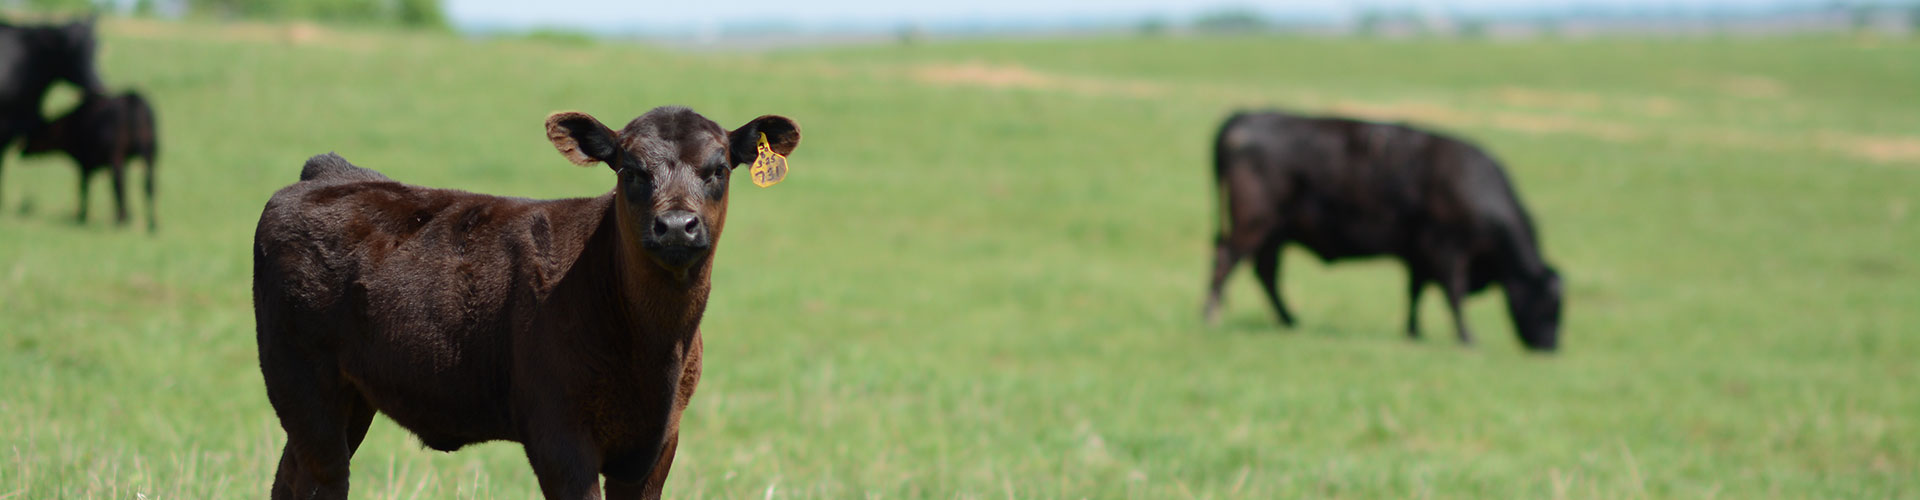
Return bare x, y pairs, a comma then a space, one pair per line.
782, 136
581, 138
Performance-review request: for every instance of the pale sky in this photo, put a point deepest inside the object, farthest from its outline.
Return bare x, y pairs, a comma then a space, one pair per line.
693, 14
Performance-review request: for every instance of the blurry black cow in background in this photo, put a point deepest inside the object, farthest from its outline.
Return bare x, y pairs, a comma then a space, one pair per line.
32, 58
1346, 188
103, 132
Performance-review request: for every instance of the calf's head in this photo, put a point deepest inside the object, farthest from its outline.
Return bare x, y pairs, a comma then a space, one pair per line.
1534, 304
673, 166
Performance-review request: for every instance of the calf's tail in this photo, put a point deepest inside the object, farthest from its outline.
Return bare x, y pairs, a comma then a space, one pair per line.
1222, 150
331, 167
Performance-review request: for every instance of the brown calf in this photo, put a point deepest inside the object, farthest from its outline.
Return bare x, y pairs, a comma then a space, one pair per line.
570, 326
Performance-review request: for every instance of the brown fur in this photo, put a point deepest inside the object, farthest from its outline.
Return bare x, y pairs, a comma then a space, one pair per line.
570, 326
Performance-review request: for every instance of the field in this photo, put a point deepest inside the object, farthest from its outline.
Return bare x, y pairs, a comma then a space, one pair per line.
982, 278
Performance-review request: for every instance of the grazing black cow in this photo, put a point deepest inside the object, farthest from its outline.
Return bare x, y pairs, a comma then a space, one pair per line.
570, 326
1346, 188
103, 132
32, 58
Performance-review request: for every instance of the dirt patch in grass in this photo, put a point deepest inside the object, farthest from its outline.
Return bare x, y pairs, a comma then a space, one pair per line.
1425, 113
1585, 102
1883, 149
1746, 86
1000, 76
1559, 124
290, 33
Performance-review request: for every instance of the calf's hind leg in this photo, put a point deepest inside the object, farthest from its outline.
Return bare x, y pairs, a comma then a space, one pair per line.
153, 214
119, 192
325, 419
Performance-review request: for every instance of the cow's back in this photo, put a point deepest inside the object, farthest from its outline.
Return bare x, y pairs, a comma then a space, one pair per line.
1343, 188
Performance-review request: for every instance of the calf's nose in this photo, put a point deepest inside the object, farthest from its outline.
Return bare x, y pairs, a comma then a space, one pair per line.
679, 227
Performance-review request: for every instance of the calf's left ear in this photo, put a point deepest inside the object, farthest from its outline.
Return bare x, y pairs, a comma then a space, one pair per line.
782, 136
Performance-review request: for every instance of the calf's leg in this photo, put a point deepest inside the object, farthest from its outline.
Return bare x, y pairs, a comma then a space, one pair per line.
649, 489
324, 416
153, 214
119, 192
566, 465
657, 479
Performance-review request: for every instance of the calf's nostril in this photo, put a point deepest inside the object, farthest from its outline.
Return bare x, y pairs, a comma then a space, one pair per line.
693, 225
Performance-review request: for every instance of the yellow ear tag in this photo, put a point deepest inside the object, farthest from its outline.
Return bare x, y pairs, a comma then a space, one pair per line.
769, 168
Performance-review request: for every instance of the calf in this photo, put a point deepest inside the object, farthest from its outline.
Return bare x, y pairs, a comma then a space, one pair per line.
103, 132
32, 58
570, 326
1346, 188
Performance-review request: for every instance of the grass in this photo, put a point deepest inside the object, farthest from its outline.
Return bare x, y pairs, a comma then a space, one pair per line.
982, 278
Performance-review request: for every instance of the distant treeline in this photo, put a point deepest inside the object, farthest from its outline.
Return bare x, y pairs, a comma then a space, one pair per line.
1892, 17
426, 14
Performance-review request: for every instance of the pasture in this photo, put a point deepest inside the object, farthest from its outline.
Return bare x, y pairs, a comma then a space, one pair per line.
982, 278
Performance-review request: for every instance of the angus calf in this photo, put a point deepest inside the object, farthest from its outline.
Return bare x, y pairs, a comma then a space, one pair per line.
1345, 188
570, 326
104, 132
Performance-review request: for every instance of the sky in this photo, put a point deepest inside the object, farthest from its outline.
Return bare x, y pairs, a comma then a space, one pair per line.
616, 15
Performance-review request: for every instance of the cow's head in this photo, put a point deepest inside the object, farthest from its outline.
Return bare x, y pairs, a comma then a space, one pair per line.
1534, 304
68, 52
673, 167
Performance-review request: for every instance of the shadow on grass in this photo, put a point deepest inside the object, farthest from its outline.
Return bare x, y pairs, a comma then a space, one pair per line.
1267, 324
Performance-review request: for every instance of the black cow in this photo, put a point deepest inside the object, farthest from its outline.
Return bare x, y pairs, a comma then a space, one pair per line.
32, 58
103, 132
1347, 188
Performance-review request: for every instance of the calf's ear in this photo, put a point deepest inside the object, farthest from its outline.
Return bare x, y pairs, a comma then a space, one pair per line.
782, 136
581, 138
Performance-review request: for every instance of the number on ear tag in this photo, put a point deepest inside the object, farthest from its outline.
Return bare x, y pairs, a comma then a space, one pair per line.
769, 168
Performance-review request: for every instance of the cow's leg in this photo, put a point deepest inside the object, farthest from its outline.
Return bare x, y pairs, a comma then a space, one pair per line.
1266, 265
6, 139
567, 466
1416, 283
80, 216
153, 214
1454, 281
1228, 249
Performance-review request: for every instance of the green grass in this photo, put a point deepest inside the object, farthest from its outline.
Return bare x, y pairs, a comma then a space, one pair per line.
982, 278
